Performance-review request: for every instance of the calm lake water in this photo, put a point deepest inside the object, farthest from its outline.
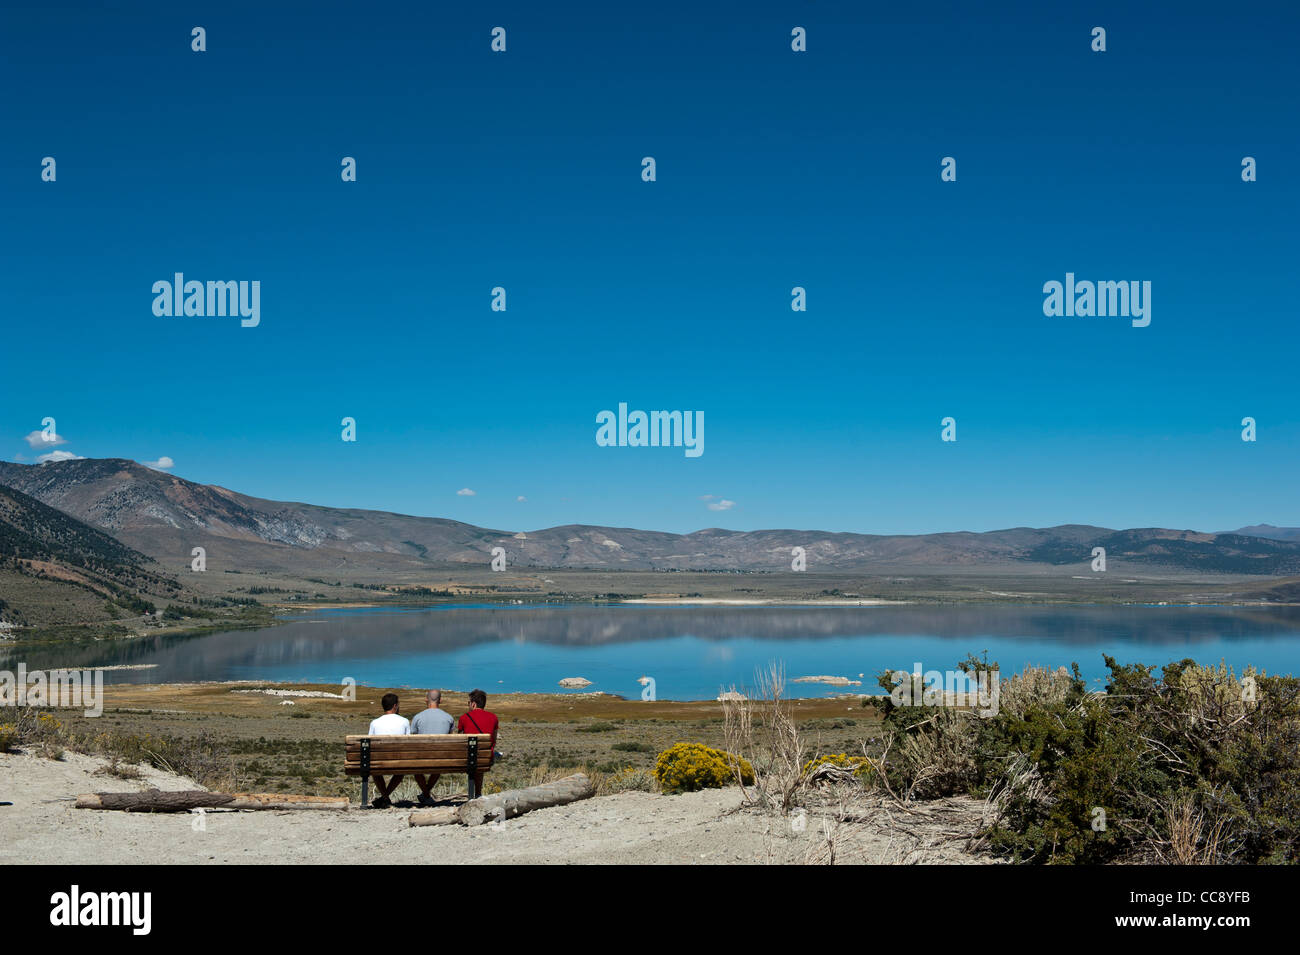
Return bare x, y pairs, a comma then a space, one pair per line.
691, 652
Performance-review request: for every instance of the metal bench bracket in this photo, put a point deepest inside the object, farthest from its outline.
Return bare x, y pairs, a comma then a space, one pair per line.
365, 772
471, 760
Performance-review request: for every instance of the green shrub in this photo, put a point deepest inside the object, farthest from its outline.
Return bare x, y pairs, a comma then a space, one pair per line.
633, 747
689, 767
1193, 766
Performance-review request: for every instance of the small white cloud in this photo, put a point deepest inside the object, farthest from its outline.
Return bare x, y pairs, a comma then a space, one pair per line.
162, 464
723, 505
706, 497
20, 457
36, 439
465, 492
59, 456
521, 499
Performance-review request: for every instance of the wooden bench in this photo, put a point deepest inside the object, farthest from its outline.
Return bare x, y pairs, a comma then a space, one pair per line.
426, 757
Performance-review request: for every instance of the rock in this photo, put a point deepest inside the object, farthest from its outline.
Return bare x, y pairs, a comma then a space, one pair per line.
829, 680
575, 681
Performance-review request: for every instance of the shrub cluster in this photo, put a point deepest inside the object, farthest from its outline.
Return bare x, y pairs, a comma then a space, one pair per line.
1196, 766
689, 767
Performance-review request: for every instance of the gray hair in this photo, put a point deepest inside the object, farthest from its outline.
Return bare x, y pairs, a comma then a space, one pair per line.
434, 696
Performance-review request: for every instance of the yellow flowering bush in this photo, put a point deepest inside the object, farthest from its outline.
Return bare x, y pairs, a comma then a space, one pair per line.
688, 767
837, 764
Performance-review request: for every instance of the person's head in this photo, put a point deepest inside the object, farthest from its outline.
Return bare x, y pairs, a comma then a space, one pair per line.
389, 702
433, 698
477, 699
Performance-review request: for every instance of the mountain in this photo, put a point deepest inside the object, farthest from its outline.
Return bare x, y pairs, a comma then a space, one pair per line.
55, 567
1270, 532
166, 517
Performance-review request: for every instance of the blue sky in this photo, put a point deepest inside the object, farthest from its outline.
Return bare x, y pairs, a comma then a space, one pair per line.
775, 169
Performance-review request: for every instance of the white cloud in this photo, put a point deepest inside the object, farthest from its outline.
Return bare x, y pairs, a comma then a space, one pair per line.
706, 497
722, 505
521, 498
36, 439
59, 456
162, 464
465, 492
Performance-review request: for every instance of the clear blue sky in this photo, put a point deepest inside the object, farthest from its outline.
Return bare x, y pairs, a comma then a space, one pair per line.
775, 169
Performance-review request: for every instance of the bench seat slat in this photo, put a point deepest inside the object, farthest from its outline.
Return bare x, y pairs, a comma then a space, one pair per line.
406, 769
418, 761
422, 753
432, 749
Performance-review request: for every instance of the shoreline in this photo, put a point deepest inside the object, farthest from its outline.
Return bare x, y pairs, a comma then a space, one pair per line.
308, 692
760, 602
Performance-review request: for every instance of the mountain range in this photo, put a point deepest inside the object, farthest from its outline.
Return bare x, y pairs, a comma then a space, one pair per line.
164, 516
57, 569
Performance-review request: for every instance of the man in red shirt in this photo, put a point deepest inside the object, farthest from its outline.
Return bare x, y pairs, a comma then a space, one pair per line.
478, 720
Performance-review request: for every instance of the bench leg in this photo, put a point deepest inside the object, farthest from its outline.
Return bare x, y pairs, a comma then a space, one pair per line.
365, 791
475, 785
427, 782
385, 788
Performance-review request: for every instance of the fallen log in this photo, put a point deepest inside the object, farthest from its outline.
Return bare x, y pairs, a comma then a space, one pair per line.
156, 800
516, 802
440, 816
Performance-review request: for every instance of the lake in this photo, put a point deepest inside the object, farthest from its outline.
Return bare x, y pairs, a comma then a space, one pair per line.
691, 652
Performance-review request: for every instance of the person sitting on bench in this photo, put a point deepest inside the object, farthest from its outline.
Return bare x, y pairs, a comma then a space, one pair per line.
428, 721
390, 724
478, 720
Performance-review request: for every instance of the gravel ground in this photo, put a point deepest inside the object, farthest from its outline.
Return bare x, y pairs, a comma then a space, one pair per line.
42, 826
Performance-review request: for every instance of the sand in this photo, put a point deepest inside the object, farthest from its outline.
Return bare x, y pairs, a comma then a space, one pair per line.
42, 826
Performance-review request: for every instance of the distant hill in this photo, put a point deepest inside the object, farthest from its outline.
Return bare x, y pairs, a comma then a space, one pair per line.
52, 562
36, 531
166, 516
1270, 532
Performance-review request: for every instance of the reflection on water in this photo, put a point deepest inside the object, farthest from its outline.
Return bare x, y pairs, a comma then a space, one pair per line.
691, 651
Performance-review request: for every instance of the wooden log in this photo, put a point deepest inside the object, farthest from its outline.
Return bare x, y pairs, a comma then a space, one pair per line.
156, 800
276, 801
516, 802
438, 816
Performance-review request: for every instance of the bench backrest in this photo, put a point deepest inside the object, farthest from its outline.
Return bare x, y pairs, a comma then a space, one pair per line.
432, 753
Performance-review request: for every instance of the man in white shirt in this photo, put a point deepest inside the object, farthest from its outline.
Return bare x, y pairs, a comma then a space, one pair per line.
390, 724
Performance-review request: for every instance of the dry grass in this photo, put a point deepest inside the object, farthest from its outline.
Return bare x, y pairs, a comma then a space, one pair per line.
763, 730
